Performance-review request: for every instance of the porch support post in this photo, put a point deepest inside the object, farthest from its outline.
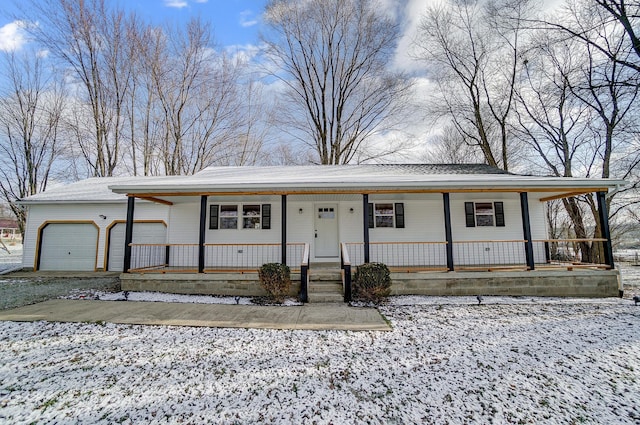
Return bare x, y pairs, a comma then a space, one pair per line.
447, 230
203, 222
604, 228
365, 222
128, 234
526, 230
284, 228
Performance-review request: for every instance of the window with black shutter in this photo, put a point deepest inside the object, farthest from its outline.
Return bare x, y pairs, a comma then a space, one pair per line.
470, 214
213, 216
266, 216
399, 215
484, 214
499, 210
386, 214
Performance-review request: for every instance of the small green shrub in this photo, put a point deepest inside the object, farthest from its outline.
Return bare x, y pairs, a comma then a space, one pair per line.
372, 282
275, 278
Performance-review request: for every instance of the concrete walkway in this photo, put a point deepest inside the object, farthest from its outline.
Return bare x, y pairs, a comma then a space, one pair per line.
310, 316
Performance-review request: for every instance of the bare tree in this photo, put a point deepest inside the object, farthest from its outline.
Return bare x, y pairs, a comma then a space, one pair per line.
449, 147
612, 16
576, 111
205, 111
92, 40
31, 107
472, 51
333, 58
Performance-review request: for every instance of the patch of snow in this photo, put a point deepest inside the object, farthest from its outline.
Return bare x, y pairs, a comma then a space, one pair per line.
453, 363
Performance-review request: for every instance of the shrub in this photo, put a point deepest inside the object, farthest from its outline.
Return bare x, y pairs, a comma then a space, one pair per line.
275, 278
372, 282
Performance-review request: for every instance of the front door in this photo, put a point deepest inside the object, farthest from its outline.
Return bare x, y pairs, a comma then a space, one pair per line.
326, 231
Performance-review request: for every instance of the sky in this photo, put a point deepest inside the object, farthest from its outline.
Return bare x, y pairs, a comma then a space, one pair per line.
235, 22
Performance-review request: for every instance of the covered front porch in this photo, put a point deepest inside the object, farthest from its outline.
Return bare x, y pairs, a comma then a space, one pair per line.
462, 242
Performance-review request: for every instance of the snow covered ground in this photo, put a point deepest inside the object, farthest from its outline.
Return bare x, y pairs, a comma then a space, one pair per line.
522, 362
448, 360
12, 259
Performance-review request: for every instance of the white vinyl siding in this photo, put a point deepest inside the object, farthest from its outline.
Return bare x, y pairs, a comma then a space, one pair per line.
117, 211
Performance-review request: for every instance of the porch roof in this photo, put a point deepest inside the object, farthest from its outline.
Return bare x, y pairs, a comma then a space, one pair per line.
357, 179
319, 179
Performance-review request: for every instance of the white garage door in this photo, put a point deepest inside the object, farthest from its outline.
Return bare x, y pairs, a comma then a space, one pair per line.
142, 233
69, 246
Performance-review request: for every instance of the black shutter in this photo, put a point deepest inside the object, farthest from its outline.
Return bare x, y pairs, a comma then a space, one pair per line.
266, 216
499, 210
399, 215
470, 214
370, 220
213, 216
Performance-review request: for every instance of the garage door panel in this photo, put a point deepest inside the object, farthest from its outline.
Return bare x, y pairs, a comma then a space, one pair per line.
69, 246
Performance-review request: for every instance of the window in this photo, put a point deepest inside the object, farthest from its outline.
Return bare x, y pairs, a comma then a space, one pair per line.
253, 216
228, 216
484, 214
385, 214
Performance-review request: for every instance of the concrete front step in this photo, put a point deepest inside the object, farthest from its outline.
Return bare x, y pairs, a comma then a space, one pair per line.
325, 285
335, 276
335, 287
325, 297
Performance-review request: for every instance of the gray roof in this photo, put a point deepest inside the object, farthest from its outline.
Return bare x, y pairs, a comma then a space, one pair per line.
92, 190
315, 178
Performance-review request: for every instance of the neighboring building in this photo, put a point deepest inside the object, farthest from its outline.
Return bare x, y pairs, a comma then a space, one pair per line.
9, 229
426, 222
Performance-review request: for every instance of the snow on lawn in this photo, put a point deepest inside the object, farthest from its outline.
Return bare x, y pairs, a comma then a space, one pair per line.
573, 362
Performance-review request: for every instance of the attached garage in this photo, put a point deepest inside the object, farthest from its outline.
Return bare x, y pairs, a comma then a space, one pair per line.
146, 232
68, 246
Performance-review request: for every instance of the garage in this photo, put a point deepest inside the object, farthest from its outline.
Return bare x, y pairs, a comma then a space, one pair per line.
68, 246
147, 232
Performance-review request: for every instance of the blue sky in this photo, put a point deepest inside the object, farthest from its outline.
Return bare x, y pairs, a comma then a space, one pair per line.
235, 22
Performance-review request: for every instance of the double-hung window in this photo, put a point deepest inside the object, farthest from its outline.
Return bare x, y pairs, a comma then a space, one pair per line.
240, 216
484, 214
386, 214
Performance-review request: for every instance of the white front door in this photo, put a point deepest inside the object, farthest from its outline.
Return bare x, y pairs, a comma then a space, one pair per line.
326, 231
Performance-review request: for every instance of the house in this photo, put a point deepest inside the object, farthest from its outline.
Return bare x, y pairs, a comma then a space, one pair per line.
9, 229
443, 229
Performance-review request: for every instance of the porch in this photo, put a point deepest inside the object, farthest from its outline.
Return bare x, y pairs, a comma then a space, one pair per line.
488, 267
437, 235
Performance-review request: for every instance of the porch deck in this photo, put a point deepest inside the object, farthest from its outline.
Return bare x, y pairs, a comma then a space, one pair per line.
417, 268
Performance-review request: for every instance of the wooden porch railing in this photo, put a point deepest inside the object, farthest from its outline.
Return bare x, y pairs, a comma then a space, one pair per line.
566, 253
401, 255
154, 257
489, 255
218, 257
473, 255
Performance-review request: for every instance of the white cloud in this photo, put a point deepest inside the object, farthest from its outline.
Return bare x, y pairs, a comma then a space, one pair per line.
403, 60
178, 4
247, 19
13, 36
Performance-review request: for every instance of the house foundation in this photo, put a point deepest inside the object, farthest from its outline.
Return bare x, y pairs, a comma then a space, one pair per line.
536, 283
